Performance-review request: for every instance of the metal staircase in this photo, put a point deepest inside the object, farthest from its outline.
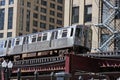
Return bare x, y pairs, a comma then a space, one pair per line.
108, 23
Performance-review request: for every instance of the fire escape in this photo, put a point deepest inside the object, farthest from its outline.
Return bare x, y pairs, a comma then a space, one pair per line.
109, 24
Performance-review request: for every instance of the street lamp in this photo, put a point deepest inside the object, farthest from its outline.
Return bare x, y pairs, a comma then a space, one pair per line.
6, 70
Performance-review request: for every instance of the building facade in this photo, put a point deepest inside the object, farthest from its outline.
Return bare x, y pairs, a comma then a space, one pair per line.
18, 17
93, 12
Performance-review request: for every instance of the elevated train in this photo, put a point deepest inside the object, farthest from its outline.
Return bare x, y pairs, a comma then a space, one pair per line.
75, 37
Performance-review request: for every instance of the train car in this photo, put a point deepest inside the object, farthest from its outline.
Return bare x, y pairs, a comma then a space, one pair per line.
77, 36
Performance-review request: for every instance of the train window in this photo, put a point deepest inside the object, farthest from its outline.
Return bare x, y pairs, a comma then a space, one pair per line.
78, 32
44, 36
34, 38
25, 40
71, 34
5, 44
64, 33
17, 41
9, 44
54, 35
39, 37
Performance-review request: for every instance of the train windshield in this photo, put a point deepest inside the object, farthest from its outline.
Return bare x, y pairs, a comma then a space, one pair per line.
78, 32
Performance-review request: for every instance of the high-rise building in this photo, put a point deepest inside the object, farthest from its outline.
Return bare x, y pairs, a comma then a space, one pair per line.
18, 17
95, 12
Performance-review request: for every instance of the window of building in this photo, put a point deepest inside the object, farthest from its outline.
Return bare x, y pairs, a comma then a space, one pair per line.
22, 2
34, 31
43, 10
2, 15
10, 17
9, 34
75, 15
28, 4
21, 19
43, 2
43, 17
36, 1
42, 25
36, 8
88, 13
11, 1
52, 12
117, 4
20, 34
104, 37
1, 35
35, 23
28, 21
60, 1
59, 22
52, 5
35, 15
59, 15
51, 27
52, 20
59, 8
2, 2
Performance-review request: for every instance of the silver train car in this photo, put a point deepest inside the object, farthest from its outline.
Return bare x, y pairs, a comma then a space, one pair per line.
61, 38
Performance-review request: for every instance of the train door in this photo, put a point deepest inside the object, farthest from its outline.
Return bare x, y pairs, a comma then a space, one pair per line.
9, 44
54, 36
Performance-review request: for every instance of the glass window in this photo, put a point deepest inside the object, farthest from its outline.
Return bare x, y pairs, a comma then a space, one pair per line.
60, 1
51, 27
43, 17
2, 15
78, 32
59, 8
28, 21
43, 2
59, 15
1, 35
34, 38
54, 35
9, 34
52, 20
52, 5
36, 8
35, 15
22, 2
17, 41
10, 17
59, 22
42, 25
28, 4
35, 23
75, 15
34, 30
52, 12
21, 19
2, 2
44, 36
88, 13
10, 43
39, 37
11, 1
43, 10
64, 33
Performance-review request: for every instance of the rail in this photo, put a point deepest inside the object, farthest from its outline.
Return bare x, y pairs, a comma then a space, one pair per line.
113, 54
39, 61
